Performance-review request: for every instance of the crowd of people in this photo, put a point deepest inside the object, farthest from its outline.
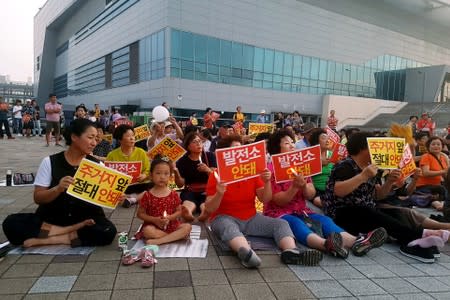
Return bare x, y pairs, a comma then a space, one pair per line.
352, 206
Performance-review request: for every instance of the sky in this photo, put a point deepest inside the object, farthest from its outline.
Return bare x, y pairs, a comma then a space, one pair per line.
16, 35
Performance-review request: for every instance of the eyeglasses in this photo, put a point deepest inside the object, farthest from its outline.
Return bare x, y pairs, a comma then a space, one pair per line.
197, 141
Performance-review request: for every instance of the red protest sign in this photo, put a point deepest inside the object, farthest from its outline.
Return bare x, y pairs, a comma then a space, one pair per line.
239, 163
304, 161
333, 137
339, 153
131, 168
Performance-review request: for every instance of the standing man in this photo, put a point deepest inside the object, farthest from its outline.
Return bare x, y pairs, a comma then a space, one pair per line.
262, 118
52, 111
17, 117
426, 124
37, 118
332, 121
4, 107
27, 118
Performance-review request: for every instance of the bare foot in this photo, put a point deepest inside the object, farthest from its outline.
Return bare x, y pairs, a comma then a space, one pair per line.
31, 242
186, 214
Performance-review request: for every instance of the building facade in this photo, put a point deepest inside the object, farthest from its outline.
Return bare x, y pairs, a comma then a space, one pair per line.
259, 54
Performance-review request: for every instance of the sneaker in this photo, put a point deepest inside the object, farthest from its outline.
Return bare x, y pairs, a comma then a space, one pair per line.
334, 245
308, 257
424, 255
248, 258
365, 242
148, 256
128, 202
435, 251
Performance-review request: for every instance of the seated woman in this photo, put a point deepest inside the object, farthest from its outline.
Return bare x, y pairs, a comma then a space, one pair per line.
434, 165
319, 137
233, 215
289, 203
61, 218
126, 152
192, 171
352, 191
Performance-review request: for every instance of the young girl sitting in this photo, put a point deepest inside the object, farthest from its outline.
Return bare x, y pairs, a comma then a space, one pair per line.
160, 208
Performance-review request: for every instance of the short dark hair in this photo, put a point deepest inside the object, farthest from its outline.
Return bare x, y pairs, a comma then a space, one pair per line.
189, 138
411, 117
157, 160
120, 131
51, 95
273, 144
431, 139
77, 127
81, 106
228, 140
357, 142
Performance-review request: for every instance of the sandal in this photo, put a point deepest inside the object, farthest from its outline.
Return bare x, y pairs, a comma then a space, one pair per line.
130, 257
148, 256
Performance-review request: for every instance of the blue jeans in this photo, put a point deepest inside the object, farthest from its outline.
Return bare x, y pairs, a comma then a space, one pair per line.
301, 229
17, 125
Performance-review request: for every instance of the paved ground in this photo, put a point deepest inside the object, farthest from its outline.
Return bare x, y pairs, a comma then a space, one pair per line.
383, 274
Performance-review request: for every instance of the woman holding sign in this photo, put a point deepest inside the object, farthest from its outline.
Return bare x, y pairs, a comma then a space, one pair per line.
289, 203
61, 218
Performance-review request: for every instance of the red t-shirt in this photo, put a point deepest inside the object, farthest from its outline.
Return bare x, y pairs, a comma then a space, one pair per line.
238, 200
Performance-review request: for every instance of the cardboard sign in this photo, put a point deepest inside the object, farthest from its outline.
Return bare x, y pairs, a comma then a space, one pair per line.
108, 138
98, 185
339, 153
386, 152
130, 168
142, 133
255, 128
407, 166
123, 122
167, 147
333, 137
239, 163
306, 161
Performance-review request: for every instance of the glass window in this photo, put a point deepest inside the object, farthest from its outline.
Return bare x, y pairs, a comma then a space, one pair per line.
247, 57
338, 74
323, 67
331, 70
258, 60
314, 68
225, 53
236, 59
278, 63
187, 46
268, 61
287, 68
297, 68
161, 45
200, 47
213, 51
306, 67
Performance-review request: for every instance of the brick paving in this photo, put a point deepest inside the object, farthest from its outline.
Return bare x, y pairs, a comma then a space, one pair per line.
383, 274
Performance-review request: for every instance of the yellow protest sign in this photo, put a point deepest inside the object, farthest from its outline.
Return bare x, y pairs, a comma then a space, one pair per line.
386, 152
142, 133
108, 138
255, 128
98, 184
407, 166
167, 147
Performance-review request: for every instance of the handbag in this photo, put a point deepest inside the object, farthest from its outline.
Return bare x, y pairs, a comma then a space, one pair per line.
23, 178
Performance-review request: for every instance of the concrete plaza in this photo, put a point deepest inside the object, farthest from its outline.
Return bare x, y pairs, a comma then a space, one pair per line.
383, 274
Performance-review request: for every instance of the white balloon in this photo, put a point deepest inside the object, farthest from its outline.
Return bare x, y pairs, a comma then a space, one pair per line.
160, 113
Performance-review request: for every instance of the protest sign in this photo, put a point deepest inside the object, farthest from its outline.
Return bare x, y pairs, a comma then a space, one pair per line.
407, 166
123, 122
339, 153
239, 163
255, 128
142, 133
304, 161
131, 168
98, 184
167, 147
333, 138
386, 152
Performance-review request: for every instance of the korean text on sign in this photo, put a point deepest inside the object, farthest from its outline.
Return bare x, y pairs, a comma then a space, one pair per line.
131, 168
333, 137
142, 133
167, 147
240, 163
339, 153
255, 128
98, 185
407, 166
304, 161
386, 152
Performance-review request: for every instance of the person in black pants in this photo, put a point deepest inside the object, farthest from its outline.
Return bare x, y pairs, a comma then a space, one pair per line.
352, 190
61, 218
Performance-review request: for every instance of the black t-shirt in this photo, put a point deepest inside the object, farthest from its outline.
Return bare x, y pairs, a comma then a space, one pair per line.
188, 168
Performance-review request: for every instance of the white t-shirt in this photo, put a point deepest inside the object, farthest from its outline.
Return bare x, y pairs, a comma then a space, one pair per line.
44, 173
17, 111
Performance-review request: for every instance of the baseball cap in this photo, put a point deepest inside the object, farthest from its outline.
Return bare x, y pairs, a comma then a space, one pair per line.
308, 126
28, 100
167, 123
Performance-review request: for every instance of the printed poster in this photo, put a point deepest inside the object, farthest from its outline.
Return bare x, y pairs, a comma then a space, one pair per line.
306, 161
339, 153
255, 128
130, 168
142, 133
407, 166
239, 163
333, 137
386, 152
167, 147
98, 185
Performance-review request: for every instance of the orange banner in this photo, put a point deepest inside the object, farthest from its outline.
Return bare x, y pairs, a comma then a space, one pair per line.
167, 147
239, 163
339, 153
255, 128
131, 168
407, 166
304, 161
